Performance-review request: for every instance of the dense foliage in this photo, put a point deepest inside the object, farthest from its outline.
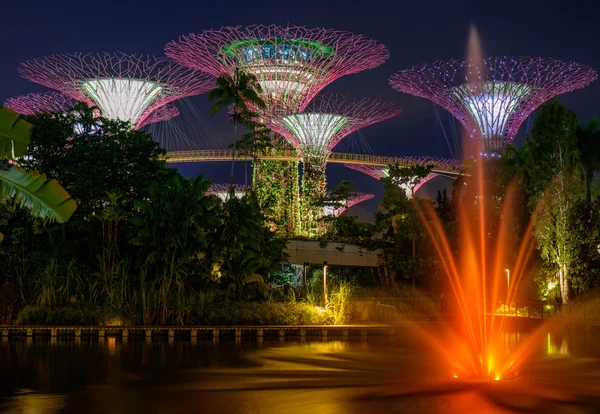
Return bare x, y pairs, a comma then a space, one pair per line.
145, 243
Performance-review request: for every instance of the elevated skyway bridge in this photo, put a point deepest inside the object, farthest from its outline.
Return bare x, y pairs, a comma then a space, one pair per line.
441, 166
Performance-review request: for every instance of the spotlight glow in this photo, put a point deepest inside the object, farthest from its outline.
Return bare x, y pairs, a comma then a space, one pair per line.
314, 131
124, 99
492, 104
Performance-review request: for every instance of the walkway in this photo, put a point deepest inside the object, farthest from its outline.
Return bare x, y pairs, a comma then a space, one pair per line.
441, 166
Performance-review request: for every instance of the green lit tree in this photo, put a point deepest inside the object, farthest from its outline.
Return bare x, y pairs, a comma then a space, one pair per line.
555, 186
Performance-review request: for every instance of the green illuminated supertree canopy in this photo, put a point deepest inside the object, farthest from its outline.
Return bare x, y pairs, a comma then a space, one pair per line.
293, 64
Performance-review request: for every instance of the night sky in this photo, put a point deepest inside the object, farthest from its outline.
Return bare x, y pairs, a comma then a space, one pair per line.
414, 31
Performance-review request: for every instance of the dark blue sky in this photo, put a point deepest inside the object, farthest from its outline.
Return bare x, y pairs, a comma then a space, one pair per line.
414, 31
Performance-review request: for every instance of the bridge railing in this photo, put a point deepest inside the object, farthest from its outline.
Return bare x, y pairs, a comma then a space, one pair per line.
440, 164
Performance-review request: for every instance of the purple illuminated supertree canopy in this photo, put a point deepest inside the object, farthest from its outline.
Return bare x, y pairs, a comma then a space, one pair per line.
164, 113
492, 101
222, 190
380, 171
125, 87
353, 199
293, 64
34, 103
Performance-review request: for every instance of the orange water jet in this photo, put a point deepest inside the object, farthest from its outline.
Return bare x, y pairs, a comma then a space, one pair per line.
483, 271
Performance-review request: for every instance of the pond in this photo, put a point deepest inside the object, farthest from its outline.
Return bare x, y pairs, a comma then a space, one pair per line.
378, 374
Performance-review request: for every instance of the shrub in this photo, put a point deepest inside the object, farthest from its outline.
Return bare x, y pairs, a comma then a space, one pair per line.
32, 315
267, 313
35, 315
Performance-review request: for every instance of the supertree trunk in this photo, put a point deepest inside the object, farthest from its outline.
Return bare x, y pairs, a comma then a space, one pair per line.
291, 198
277, 187
314, 189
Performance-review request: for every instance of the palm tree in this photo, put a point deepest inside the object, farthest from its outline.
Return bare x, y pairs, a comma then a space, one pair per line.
237, 89
588, 141
46, 199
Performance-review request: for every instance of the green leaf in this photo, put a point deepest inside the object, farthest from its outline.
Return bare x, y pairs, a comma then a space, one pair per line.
14, 134
216, 108
46, 199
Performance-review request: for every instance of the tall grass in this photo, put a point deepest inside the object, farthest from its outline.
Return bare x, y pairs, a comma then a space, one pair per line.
340, 305
64, 291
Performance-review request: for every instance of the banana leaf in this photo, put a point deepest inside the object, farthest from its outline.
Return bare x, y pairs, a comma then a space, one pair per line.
46, 199
14, 134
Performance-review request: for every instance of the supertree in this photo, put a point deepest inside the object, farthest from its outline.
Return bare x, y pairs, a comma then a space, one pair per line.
34, 103
353, 199
293, 64
441, 166
315, 132
125, 87
222, 190
492, 99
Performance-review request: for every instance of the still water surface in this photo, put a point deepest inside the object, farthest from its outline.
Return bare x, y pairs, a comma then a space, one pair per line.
182, 376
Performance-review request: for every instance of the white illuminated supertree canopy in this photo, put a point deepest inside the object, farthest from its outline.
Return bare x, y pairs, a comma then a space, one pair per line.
492, 104
492, 98
327, 120
35, 103
130, 88
223, 190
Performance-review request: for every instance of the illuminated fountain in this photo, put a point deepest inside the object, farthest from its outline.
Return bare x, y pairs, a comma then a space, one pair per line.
465, 363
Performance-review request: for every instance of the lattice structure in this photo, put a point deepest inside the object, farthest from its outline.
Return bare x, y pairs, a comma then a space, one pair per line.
315, 132
222, 190
492, 101
34, 103
353, 200
125, 87
164, 113
292, 64
379, 171
327, 120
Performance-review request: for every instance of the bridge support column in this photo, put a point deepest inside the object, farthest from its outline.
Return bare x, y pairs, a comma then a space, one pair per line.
324, 283
304, 275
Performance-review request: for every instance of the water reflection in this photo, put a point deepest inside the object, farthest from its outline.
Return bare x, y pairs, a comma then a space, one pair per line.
325, 376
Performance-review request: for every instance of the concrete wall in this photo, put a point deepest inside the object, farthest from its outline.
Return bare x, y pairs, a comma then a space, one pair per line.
335, 254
